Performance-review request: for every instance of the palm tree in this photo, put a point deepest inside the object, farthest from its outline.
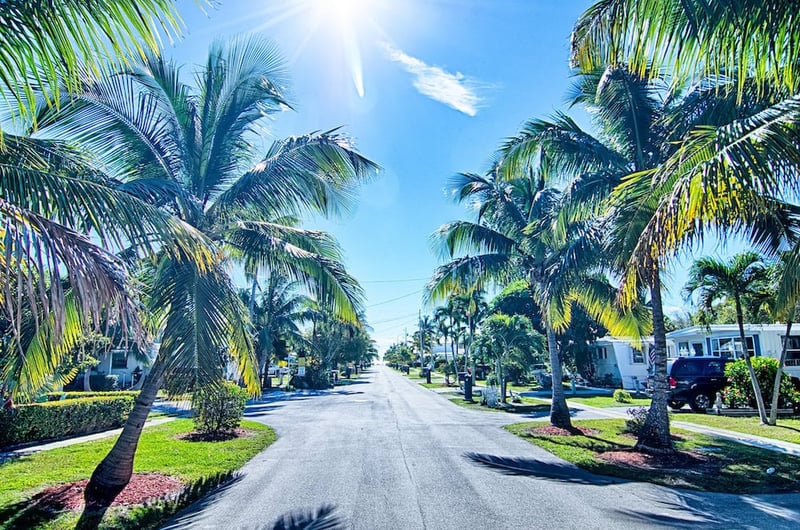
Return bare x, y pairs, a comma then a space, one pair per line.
503, 334
443, 316
192, 155
55, 280
516, 235
744, 275
638, 118
276, 317
721, 176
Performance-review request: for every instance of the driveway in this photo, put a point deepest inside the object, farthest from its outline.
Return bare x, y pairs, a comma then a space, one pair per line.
386, 453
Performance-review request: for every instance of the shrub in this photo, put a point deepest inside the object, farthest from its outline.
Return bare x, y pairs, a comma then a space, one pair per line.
218, 408
59, 419
622, 396
60, 396
739, 392
104, 382
635, 423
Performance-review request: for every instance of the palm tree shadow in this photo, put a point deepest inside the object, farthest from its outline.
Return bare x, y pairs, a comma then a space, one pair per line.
323, 518
518, 466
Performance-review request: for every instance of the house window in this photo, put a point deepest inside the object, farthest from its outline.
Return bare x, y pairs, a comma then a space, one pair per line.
683, 349
729, 347
792, 350
697, 348
602, 353
119, 358
638, 356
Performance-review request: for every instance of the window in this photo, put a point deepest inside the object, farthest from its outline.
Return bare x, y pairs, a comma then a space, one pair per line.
697, 347
715, 368
683, 349
601, 353
792, 350
119, 358
729, 347
638, 356
687, 368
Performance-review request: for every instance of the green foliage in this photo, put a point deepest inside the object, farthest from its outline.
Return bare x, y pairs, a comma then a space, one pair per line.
622, 396
635, 423
57, 419
739, 392
57, 396
218, 408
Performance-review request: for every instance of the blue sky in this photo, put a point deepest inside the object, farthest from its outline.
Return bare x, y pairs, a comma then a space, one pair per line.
427, 88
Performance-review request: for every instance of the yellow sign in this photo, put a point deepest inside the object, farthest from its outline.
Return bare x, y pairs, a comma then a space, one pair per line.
301, 361
283, 364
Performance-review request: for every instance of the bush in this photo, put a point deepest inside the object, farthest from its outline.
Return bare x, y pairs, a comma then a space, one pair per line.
218, 408
739, 392
104, 382
622, 396
59, 419
635, 423
60, 396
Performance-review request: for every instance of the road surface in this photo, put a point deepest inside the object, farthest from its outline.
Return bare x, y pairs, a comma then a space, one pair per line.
389, 454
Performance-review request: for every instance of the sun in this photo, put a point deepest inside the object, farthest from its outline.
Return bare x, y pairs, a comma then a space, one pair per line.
345, 18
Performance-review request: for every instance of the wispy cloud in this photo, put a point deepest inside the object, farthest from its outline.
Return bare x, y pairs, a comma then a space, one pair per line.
453, 89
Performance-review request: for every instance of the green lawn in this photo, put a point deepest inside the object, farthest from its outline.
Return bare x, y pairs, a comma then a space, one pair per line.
787, 430
608, 401
527, 406
732, 467
159, 451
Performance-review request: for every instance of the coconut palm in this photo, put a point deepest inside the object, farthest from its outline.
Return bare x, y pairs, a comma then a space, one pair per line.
517, 236
191, 153
610, 177
721, 175
502, 334
744, 275
54, 279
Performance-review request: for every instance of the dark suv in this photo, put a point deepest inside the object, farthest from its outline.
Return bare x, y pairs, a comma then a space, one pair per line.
696, 381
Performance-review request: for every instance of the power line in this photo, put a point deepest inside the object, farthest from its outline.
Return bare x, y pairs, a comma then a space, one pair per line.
395, 299
394, 281
392, 319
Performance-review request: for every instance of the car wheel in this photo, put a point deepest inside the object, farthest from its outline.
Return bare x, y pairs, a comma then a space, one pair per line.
676, 405
700, 402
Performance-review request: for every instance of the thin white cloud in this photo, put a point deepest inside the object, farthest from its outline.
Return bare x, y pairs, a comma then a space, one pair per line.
454, 90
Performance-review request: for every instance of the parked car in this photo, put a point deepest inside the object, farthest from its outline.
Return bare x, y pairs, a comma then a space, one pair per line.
696, 381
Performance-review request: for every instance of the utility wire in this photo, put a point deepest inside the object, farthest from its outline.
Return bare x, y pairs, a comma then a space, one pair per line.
394, 281
395, 299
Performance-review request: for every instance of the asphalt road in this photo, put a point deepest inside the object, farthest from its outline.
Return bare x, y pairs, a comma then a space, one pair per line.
389, 454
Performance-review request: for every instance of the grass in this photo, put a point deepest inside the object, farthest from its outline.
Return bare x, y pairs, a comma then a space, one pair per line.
527, 406
734, 468
159, 451
608, 401
787, 430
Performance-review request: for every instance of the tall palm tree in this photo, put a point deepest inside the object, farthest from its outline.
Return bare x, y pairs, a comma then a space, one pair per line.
51, 198
744, 275
191, 153
517, 235
723, 175
638, 119
276, 316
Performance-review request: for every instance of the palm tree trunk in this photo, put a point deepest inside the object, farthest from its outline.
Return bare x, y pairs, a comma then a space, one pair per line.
655, 435
776, 387
87, 384
762, 411
559, 412
115, 470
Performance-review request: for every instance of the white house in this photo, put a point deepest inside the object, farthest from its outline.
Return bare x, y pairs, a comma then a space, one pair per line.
722, 340
616, 362
123, 363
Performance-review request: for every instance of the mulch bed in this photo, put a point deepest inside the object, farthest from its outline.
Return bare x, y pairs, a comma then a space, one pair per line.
680, 461
143, 487
214, 437
550, 430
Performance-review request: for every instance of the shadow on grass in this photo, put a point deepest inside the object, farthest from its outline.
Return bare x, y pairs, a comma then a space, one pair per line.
536, 468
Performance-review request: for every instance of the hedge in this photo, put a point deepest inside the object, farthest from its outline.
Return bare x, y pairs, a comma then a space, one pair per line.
60, 396
59, 419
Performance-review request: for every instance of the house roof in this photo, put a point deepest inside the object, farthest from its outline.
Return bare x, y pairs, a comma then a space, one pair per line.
722, 329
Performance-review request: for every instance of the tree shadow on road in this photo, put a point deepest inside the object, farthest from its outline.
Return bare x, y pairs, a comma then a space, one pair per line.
536, 468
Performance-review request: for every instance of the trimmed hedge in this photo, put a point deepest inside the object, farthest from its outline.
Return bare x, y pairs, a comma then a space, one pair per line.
59, 419
57, 396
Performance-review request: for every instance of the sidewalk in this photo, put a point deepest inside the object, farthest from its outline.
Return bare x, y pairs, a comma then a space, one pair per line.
746, 439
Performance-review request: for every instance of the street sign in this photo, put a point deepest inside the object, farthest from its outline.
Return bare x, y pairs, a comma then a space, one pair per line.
301, 361
301, 371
